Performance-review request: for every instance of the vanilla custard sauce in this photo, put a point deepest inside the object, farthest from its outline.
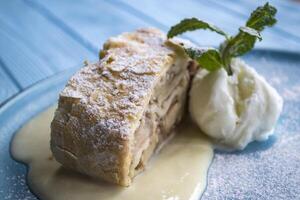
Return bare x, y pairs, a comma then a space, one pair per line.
177, 172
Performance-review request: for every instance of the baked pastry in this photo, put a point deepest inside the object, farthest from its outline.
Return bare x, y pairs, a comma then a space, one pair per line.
112, 115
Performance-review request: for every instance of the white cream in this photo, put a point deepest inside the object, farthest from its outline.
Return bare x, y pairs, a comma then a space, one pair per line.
234, 110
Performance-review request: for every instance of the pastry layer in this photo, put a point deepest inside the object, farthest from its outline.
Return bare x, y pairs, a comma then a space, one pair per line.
164, 110
114, 113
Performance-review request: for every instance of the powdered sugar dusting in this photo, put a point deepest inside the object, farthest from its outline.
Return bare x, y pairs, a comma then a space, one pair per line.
271, 169
292, 94
118, 86
102, 104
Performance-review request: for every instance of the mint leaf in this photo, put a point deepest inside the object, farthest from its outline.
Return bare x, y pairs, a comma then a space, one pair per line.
243, 42
233, 46
208, 59
239, 45
236, 46
261, 17
191, 25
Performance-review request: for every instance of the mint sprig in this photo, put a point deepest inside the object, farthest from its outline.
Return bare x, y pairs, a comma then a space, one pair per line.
233, 46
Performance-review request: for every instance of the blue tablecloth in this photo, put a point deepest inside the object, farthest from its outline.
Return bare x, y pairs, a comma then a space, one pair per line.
41, 38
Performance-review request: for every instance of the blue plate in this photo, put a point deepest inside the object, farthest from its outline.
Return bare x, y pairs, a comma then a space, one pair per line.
267, 170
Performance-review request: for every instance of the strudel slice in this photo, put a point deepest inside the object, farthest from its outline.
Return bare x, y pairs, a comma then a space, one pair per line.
112, 115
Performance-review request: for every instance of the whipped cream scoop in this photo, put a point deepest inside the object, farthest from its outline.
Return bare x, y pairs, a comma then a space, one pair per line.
234, 110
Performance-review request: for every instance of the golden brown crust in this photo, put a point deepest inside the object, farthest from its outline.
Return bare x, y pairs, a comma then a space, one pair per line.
102, 104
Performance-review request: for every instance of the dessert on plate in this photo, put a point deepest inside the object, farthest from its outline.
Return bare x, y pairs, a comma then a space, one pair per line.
113, 114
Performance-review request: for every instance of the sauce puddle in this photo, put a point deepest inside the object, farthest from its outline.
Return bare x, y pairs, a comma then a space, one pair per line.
179, 171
